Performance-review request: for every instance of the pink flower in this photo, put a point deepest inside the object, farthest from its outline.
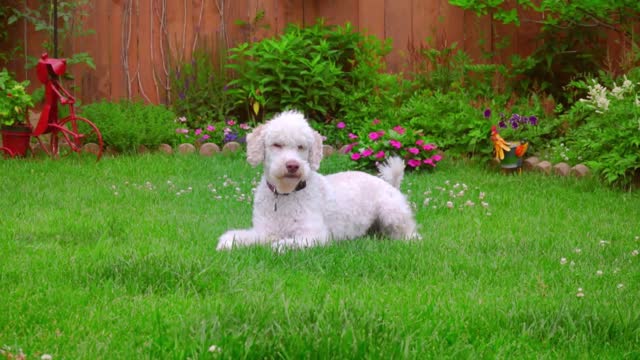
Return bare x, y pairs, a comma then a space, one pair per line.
348, 148
353, 136
419, 142
380, 155
198, 132
211, 128
436, 157
414, 151
245, 126
374, 136
355, 156
341, 125
231, 122
205, 137
375, 122
429, 147
395, 143
429, 162
182, 131
414, 163
367, 152
182, 119
399, 129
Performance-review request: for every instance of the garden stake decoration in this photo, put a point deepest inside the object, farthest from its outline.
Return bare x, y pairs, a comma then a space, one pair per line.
510, 153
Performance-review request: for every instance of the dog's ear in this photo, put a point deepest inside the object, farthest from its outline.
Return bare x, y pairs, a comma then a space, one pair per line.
255, 146
315, 153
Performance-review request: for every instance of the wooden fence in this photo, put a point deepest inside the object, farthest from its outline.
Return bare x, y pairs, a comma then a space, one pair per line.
136, 40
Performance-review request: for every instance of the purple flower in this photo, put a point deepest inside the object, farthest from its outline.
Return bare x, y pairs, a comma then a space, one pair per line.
341, 125
487, 113
230, 137
533, 120
502, 124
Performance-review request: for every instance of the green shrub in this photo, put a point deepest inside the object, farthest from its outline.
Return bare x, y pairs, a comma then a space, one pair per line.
309, 69
126, 125
382, 139
198, 88
606, 128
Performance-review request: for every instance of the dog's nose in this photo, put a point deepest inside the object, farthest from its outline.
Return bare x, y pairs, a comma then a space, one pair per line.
292, 166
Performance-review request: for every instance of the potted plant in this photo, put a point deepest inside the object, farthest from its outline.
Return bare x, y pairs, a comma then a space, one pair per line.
510, 152
14, 104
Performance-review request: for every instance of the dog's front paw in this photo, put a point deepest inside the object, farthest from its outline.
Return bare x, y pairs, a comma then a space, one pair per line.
226, 241
285, 244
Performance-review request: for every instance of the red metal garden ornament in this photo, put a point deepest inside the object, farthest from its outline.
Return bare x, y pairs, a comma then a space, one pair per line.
67, 135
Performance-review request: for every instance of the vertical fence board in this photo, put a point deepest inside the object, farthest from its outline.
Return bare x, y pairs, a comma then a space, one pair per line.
398, 27
139, 67
371, 19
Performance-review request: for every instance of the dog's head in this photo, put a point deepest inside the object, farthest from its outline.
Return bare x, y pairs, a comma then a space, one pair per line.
289, 148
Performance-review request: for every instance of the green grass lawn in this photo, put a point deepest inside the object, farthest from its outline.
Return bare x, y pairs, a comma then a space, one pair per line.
117, 260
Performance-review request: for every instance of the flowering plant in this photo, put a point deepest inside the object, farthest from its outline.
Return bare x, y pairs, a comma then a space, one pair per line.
514, 125
379, 142
14, 99
219, 133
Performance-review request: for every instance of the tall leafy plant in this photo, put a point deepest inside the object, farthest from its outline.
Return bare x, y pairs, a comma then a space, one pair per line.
199, 86
306, 68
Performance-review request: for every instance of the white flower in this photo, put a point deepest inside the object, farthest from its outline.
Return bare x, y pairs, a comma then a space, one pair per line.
426, 201
599, 272
469, 203
604, 243
635, 252
484, 204
46, 357
580, 293
563, 261
578, 250
620, 286
214, 349
450, 204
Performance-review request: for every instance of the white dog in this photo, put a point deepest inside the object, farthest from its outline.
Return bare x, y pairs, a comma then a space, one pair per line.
295, 207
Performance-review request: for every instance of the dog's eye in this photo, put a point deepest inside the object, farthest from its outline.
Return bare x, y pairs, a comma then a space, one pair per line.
277, 145
301, 147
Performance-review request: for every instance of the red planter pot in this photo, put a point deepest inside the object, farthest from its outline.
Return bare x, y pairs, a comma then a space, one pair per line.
16, 139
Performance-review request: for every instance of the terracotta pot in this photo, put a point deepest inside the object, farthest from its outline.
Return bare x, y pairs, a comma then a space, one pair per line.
16, 138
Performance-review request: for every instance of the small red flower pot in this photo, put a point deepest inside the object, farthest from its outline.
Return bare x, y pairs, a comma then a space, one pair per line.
16, 139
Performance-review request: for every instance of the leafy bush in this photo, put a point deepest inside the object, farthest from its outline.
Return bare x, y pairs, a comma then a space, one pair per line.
450, 118
198, 88
310, 69
379, 141
126, 125
606, 128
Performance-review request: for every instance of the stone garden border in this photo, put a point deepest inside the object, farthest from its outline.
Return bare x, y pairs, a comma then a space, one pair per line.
532, 163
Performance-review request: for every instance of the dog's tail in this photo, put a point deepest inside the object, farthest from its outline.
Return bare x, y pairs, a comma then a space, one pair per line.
392, 171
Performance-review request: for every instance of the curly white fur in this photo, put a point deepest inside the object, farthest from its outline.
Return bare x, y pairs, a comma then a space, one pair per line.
296, 207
